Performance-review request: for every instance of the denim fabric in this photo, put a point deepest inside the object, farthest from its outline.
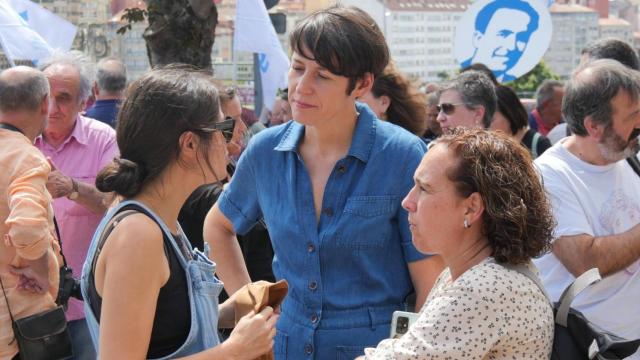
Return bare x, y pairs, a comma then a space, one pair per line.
81, 343
347, 272
204, 289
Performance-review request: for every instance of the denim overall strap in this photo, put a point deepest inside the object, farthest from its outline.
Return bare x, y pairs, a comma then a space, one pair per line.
201, 283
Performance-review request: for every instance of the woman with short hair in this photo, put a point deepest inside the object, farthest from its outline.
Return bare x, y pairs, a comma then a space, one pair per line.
478, 203
328, 185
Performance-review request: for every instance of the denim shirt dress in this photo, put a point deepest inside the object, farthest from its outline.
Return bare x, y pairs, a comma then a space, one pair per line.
202, 285
347, 272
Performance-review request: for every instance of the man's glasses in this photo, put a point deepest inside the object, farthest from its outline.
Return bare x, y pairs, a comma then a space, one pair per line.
447, 108
225, 127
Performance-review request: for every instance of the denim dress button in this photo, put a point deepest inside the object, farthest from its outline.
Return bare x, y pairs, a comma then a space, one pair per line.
308, 349
313, 285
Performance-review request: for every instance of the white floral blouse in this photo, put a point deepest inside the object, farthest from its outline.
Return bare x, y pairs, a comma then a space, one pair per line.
489, 312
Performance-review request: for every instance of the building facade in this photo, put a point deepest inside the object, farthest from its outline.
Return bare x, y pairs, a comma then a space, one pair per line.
420, 34
574, 26
80, 12
615, 28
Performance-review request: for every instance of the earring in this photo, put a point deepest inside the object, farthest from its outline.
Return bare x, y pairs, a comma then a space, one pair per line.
466, 224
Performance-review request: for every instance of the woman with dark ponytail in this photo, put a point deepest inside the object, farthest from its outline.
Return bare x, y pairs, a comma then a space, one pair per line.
147, 293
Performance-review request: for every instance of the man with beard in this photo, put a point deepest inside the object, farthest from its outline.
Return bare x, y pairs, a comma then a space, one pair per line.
596, 196
502, 31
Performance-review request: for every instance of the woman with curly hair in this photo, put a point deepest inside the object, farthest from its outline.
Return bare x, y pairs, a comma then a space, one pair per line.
478, 203
395, 99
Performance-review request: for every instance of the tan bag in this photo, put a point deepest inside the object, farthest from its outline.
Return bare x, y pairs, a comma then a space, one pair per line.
258, 295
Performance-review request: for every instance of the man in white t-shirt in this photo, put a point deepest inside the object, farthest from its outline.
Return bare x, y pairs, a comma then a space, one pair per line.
596, 196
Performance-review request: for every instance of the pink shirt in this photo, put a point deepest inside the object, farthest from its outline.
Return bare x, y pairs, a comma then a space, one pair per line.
90, 147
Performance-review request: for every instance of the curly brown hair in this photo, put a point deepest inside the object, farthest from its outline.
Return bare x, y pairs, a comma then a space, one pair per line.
517, 218
408, 106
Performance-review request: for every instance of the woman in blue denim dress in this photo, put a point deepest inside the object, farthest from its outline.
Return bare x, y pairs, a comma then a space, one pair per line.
328, 186
148, 293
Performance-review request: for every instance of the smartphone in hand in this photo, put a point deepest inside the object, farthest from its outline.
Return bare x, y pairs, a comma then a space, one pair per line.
400, 323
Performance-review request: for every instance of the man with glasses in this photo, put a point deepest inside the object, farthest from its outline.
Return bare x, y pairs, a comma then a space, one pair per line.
469, 101
256, 244
232, 110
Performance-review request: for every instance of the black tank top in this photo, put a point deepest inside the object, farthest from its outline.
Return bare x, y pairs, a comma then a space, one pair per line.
172, 320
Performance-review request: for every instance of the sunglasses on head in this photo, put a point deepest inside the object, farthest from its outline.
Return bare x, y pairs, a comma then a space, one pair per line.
447, 108
225, 127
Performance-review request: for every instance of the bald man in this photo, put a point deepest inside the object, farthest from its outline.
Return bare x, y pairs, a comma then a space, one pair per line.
28, 248
109, 91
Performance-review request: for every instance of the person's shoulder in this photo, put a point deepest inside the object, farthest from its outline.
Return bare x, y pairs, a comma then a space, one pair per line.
396, 137
553, 159
271, 137
16, 148
490, 280
96, 129
34, 156
557, 133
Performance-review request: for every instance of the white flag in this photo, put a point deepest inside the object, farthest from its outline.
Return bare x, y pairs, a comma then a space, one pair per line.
56, 31
255, 33
18, 40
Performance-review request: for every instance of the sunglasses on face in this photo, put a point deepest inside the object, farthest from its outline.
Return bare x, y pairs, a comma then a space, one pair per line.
225, 127
447, 108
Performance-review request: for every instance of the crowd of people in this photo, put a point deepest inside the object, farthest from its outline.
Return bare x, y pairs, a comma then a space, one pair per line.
366, 193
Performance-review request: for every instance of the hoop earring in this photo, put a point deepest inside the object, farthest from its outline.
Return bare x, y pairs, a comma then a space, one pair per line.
466, 224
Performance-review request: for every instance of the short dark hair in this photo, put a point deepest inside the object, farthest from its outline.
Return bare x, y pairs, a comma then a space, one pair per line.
344, 40
475, 89
483, 69
510, 106
174, 99
590, 90
24, 91
484, 16
408, 106
111, 79
615, 49
517, 219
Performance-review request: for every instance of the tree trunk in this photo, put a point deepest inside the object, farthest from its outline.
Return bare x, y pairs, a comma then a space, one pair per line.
181, 31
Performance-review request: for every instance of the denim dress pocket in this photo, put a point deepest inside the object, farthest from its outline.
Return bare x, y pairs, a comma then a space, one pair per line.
206, 288
367, 222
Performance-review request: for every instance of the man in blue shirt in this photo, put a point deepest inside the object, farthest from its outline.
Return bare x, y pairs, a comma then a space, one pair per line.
109, 90
336, 178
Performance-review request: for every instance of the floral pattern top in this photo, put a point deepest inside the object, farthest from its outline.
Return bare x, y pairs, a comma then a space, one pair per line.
489, 312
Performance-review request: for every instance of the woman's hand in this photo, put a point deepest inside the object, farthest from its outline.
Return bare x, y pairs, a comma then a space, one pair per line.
227, 313
253, 335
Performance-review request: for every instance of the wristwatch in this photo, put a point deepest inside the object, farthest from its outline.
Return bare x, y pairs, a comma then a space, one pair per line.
74, 192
